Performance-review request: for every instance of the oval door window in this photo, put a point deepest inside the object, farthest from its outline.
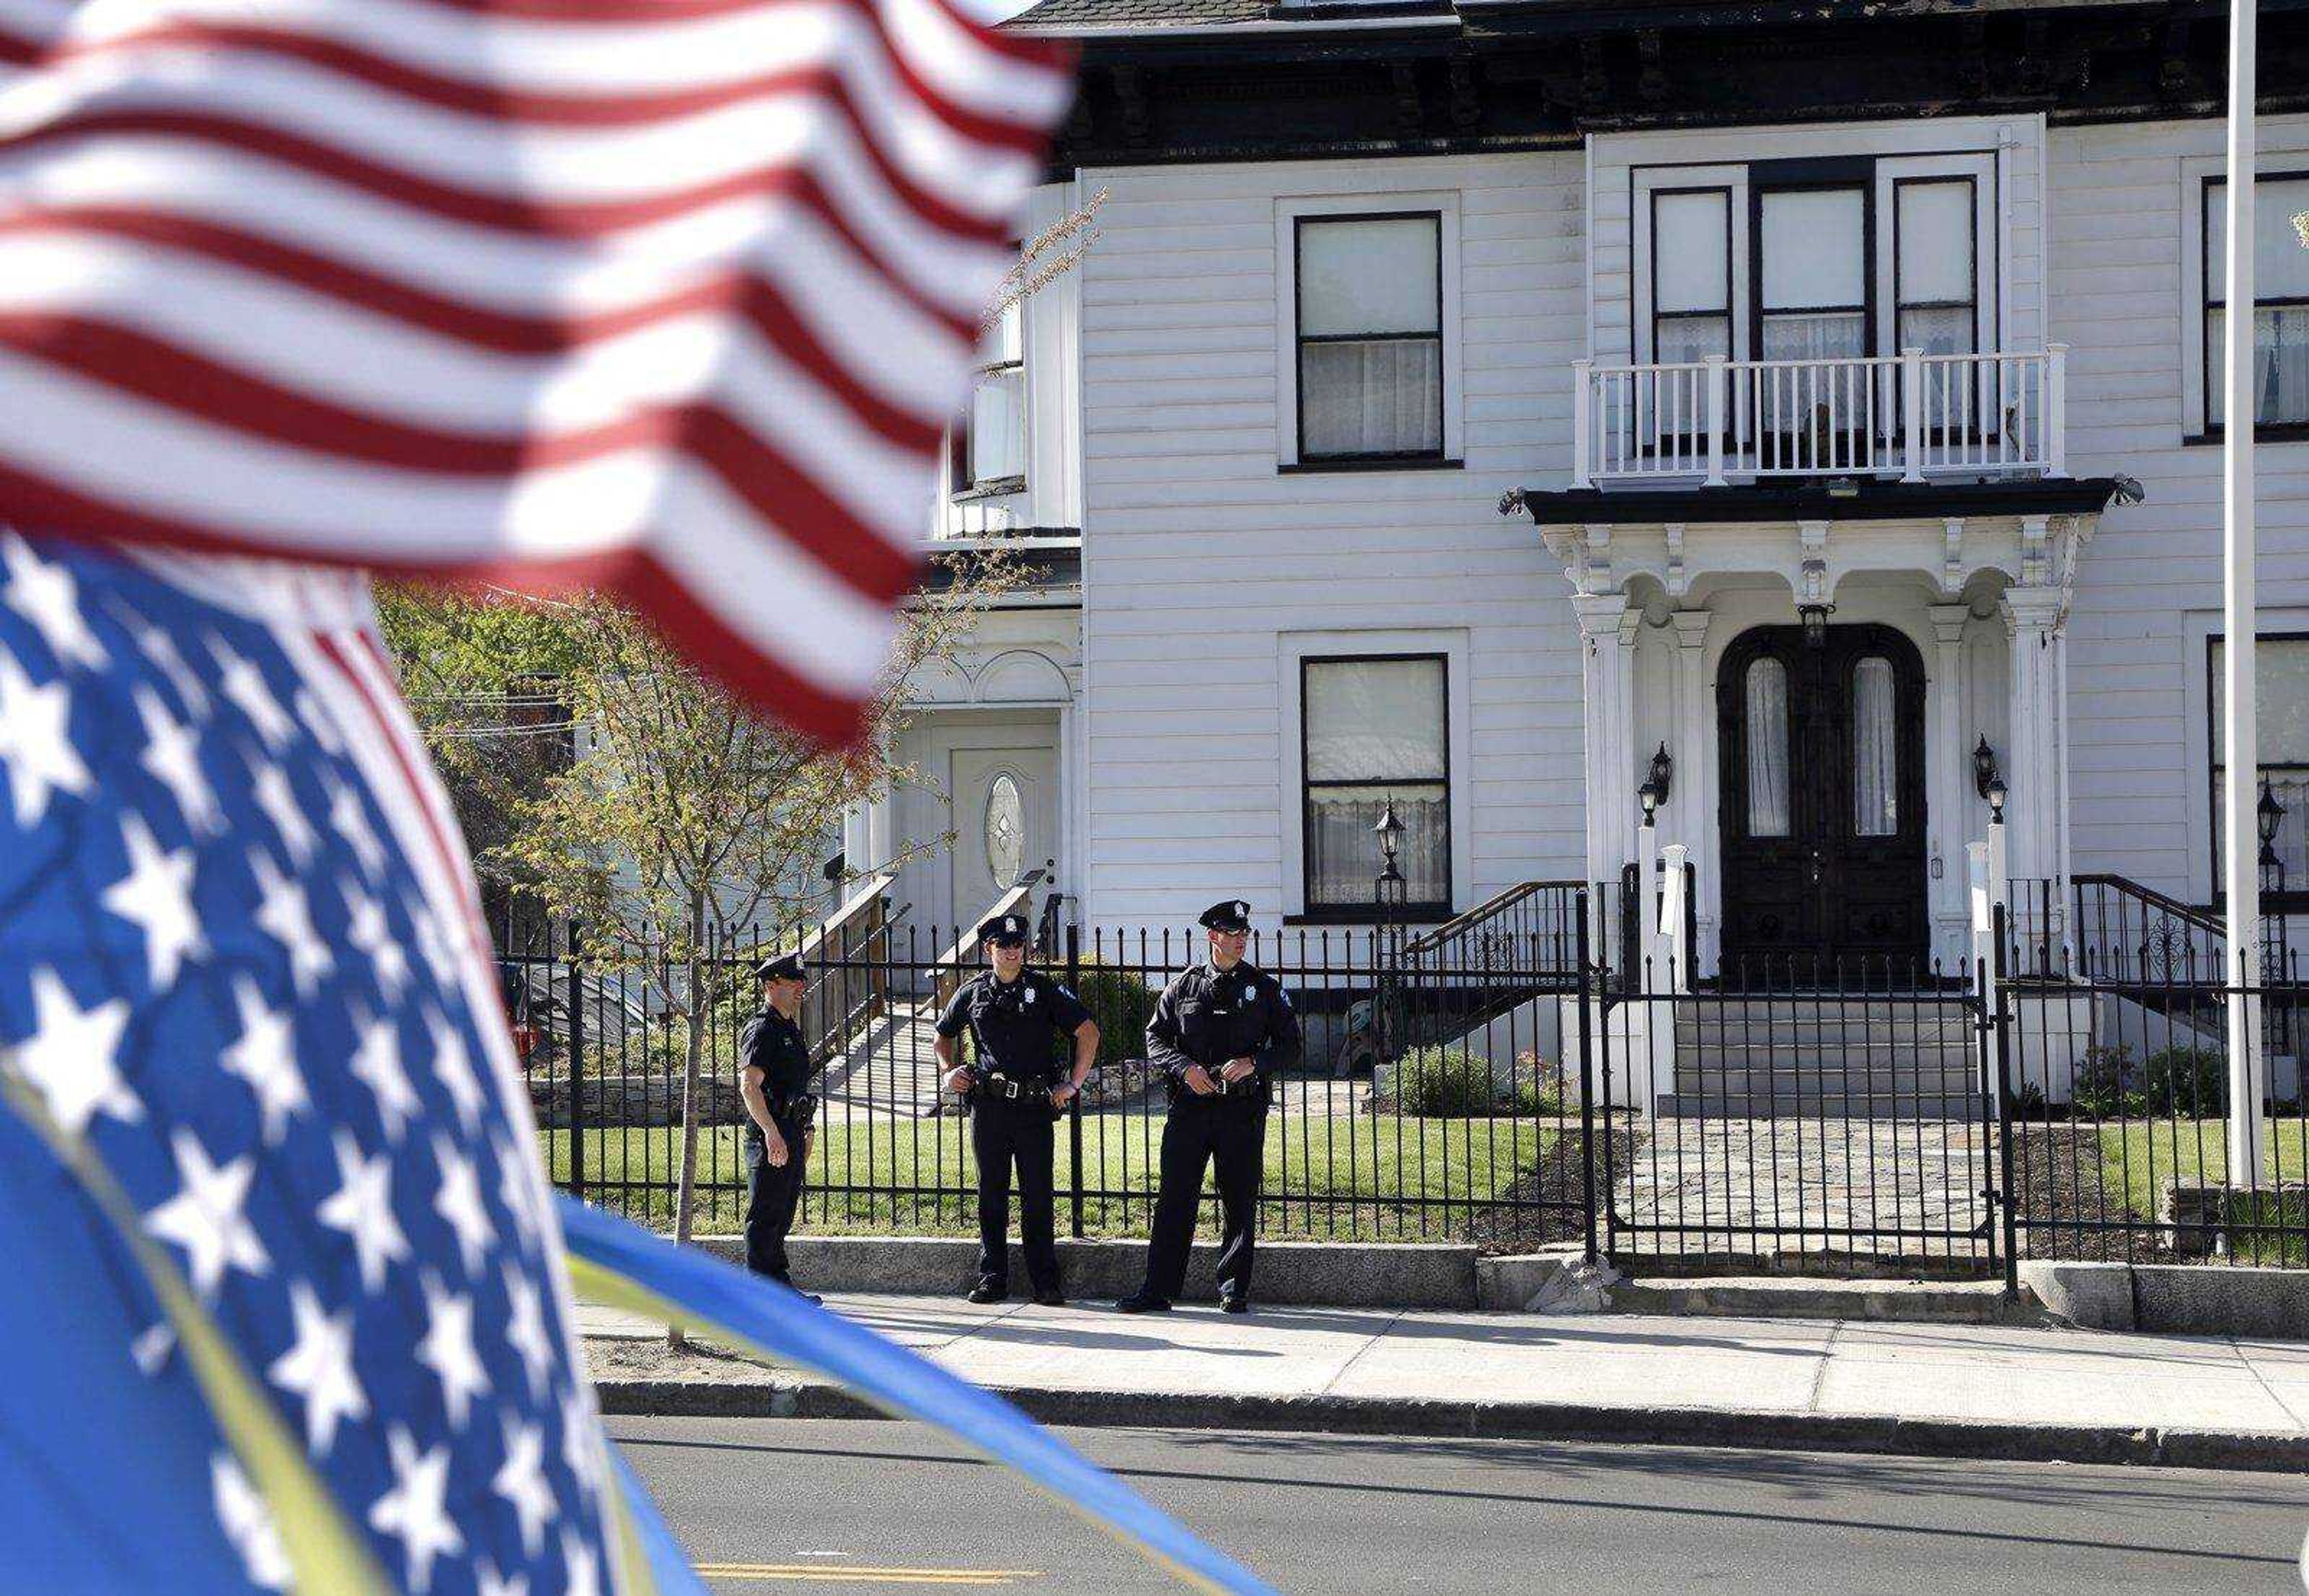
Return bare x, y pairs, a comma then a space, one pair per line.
1006, 829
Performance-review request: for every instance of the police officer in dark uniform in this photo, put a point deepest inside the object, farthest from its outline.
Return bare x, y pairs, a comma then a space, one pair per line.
774, 1085
1017, 1088
1219, 1034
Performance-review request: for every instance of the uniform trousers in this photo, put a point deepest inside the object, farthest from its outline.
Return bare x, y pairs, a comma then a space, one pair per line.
1202, 1131
1003, 1131
772, 1192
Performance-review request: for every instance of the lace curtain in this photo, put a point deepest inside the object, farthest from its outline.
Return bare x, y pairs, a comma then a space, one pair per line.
1381, 397
1875, 759
1768, 749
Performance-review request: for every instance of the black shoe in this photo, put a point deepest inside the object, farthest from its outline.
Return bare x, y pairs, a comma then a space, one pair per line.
1235, 1301
988, 1291
1143, 1302
1050, 1297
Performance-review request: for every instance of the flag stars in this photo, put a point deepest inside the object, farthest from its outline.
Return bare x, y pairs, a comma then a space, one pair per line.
69, 1057
583, 1563
156, 896
35, 747
376, 1065
521, 1481
460, 1204
172, 755
348, 819
44, 593
205, 1217
415, 1511
247, 1524
319, 1368
362, 1208
453, 1066
278, 799
283, 915
265, 1057
373, 938
243, 683
526, 1329
448, 1348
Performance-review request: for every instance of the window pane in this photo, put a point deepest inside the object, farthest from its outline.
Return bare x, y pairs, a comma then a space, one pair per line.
1768, 749
2280, 364
1692, 251
2291, 844
1342, 853
998, 427
999, 344
1812, 250
1875, 757
1936, 242
1369, 277
1814, 337
1691, 338
1941, 330
2280, 264
1375, 720
1382, 398
2280, 675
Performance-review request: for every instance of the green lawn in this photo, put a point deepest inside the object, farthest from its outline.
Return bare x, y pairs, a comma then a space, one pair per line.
1332, 1176
2138, 1160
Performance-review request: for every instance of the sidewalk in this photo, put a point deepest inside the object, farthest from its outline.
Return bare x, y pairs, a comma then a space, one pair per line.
1982, 1391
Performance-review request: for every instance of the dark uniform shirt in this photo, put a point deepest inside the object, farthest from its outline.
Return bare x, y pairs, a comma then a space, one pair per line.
1015, 1024
1205, 1017
772, 1043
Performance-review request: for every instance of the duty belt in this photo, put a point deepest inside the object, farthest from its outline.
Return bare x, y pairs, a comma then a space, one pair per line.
1010, 1085
1222, 1087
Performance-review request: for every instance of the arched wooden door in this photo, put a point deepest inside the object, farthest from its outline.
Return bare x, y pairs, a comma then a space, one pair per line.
1822, 813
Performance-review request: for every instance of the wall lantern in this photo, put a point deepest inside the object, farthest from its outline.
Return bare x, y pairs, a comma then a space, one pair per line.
1390, 833
1815, 623
2267, 815
1995, 797
1983, 766
1663, 773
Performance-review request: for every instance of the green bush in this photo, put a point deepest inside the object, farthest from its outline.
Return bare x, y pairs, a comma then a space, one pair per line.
2106, 1084
1445, 1083
1538, 1088
1121, 1003
2191, 1082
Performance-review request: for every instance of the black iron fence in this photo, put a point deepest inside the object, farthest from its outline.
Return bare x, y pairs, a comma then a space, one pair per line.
1510, 1078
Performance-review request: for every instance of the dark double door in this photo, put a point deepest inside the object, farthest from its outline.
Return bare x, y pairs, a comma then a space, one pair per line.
1822, 812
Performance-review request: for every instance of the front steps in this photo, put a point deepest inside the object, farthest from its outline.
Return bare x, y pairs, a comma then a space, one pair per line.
1824, 1056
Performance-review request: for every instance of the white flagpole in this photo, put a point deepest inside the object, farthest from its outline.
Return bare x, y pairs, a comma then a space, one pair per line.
2240, 862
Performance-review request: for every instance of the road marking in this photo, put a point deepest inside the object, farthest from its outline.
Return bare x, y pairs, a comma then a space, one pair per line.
858, 1574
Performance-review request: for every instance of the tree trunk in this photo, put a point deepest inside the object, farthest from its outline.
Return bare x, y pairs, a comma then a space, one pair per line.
697, 1014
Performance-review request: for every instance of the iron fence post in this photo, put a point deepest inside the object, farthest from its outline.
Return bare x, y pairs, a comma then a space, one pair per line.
1587, 1094
572, 946
1074, 1104
2007, 1204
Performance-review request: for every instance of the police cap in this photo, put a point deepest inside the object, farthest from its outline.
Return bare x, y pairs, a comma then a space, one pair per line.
786, 967
1233, 914
1003, 929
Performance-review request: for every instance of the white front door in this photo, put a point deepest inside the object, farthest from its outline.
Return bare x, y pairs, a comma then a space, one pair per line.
1006, 822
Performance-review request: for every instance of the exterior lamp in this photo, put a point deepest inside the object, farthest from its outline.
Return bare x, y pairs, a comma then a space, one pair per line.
2267, 815
1815, 623
1663, 773
1995, 794
1984, 767
1649, 795
1390, 835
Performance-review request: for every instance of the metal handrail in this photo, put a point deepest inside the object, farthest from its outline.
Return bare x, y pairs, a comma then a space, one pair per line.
1498, 903
948, 966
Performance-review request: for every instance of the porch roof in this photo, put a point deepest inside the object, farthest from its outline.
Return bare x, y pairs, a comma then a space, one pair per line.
1873, 501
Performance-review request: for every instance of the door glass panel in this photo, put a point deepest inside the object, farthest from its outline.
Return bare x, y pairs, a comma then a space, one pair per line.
1006, 829
1875, 754
1768, 749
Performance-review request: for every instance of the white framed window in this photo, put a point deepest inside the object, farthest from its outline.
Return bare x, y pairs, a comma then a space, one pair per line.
1811, 273
2281, 341
1367, 301
1690, 239
988, 445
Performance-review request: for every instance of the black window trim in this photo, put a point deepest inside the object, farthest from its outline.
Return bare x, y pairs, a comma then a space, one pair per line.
2207, 277
2295, 896
1762, 182
1730, 313
1970, 182
1359, 912
1300, 340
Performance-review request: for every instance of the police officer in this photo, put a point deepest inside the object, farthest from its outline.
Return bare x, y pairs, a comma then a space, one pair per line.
774, 1085
1016, 1092
1219, 1034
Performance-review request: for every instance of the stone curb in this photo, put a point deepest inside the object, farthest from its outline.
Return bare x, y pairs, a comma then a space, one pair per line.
1329, 1414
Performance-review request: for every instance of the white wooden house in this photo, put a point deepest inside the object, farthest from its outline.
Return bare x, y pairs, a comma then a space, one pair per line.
1460, 407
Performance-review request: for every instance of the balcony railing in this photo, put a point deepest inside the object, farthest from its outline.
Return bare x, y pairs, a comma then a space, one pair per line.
1910, 416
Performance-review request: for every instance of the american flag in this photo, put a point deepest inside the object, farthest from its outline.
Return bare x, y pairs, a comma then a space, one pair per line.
235, 964
670, 296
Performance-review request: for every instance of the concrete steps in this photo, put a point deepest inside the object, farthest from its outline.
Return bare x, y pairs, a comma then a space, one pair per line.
1830, 1056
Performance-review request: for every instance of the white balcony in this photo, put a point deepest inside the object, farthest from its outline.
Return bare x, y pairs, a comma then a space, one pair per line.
1910, 416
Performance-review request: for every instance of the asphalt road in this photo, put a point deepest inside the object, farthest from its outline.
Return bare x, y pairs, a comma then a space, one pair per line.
788, 1504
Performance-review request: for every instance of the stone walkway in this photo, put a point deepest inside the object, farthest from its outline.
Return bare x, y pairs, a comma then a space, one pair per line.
1721, 1186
